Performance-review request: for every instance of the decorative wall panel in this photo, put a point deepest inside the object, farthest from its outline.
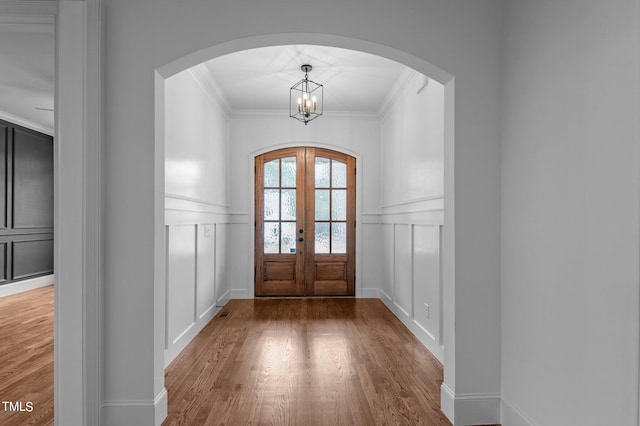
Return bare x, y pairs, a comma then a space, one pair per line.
3, 262
181, 273
32, 180
426, 278
412, 266
32, 258
4, 138
196, 274
26, 203
206, 269
403, 292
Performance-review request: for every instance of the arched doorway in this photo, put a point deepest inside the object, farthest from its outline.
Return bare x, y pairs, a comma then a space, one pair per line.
305, 223
170, 69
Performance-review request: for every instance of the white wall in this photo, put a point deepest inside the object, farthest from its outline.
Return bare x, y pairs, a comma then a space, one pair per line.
196, 206
195, 141
456, 42
413, 143
412, 195
570, 213
253, 134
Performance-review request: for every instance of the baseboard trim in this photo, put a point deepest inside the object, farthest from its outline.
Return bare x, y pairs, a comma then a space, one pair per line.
136, 412
447, 402
385, 297
181, 342
239, 294
423, 336
470, 409
370, 293
512, 416
222, 300
26, 285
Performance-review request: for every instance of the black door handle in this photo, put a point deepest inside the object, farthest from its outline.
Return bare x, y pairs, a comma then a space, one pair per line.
301, 239
300, 231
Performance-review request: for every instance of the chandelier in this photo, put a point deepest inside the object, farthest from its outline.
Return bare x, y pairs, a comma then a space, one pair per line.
305, 101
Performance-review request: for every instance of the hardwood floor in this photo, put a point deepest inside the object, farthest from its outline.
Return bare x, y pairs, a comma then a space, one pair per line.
26, 357
308, 362
330, 361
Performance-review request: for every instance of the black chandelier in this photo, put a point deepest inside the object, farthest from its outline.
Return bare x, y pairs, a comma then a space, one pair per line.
305, 101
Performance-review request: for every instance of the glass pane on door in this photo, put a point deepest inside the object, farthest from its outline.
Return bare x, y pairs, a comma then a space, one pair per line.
288, 202
339, 204
322, 172
322, 205
339, 237
271, 204
271, 173
339, 174
289, 172
288, 238
271, 237
322, 239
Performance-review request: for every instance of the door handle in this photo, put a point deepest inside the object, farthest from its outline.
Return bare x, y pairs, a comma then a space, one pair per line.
301, 239
300, 231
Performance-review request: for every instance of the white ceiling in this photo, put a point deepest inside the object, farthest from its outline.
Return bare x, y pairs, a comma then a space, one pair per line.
27, 71
260, 79
255, 79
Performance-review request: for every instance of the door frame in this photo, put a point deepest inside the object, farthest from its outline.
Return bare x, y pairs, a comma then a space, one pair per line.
361, 218
78, 192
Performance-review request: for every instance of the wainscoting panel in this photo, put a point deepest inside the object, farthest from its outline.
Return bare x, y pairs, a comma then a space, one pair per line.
196, 274
239, 259
222, 278
412, 282
3, 261
403, 270
4, 138
206, 269
426, 278
32, 183
26, 206
31, 257
372, 251
388, 262
181, 295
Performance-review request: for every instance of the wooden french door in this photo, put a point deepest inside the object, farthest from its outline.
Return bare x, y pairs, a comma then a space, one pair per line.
305, 223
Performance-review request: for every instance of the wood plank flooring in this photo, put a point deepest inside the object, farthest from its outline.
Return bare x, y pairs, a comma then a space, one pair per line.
308, 362
329, 361
26, 356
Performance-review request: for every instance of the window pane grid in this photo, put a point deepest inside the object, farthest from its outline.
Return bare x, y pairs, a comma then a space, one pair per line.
280, 205
330, 199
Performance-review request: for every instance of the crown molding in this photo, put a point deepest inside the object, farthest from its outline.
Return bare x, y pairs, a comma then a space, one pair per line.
407, 76
201, 74
26, 123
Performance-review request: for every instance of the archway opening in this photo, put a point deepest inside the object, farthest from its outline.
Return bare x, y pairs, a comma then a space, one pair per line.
401, 224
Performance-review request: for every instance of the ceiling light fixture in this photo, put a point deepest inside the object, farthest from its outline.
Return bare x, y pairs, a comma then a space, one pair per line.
305, 100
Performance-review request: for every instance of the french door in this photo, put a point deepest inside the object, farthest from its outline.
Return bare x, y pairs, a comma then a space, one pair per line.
305, 223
